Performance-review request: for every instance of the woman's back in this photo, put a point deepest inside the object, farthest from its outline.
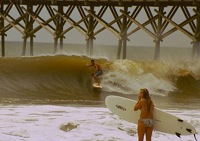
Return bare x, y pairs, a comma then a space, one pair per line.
147, 108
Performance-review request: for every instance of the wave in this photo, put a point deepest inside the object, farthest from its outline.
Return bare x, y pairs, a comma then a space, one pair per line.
159, 77
68, 77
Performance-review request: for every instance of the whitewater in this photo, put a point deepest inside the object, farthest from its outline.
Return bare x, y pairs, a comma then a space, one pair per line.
63, 123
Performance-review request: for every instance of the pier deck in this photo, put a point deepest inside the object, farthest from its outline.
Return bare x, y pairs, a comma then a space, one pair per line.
106, 2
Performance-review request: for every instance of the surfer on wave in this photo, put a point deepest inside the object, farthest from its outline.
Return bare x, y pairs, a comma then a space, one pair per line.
145, 123
97, 73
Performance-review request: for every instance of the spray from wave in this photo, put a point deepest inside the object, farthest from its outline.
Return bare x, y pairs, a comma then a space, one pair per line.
159, 77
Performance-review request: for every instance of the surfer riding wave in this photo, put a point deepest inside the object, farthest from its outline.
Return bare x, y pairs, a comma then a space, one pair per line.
97, 73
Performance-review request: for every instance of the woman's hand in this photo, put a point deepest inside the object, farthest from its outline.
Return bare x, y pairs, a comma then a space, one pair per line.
139, 96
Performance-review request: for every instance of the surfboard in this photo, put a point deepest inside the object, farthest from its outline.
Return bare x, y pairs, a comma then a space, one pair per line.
163, 121
97, 86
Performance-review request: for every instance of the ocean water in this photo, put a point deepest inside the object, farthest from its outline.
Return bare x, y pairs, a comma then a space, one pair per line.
50, 96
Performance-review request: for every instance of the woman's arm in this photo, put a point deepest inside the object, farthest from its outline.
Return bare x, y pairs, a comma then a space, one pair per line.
138, 105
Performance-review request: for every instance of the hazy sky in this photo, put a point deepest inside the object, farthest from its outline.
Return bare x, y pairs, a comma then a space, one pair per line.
139, 38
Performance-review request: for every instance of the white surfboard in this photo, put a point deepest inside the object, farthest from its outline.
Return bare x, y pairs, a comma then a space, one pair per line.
163, 122
97, 86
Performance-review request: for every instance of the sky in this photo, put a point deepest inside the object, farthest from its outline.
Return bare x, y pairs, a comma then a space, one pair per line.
140, 38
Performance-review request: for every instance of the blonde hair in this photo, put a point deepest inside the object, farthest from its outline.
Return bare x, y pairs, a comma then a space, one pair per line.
147, 97
146, 93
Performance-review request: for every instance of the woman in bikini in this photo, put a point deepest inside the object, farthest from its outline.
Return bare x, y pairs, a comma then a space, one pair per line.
145, 123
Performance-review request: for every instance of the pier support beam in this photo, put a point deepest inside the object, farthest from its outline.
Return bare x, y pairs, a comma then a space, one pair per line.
30, 8
158, 35
124, 33
27, 29
59, 29
24, 46
55, 38
196, 44
119, 48
25, 36
2, 33
60, 9
90, 33
122, 44
196, 49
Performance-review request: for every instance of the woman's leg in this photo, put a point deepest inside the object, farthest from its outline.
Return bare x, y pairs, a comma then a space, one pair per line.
149, 133
141, 131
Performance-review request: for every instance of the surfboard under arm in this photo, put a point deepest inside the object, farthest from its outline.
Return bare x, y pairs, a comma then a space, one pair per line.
163, 121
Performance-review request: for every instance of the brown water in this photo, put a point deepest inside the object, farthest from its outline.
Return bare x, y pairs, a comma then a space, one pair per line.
173, 81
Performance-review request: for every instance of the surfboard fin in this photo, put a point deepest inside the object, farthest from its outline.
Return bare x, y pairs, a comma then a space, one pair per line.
189, 130
180, 120
178, 134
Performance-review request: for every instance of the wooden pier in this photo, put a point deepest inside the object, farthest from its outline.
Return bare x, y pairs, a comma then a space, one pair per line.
159, 23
